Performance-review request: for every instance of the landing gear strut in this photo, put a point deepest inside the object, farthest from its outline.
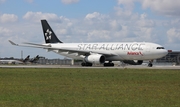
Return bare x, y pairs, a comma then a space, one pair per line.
150, 63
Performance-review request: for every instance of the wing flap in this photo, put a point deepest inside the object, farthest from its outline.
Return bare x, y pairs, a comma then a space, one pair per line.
37, 44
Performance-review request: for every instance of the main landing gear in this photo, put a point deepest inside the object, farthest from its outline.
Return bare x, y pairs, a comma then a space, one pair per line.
150, 64
109, 64
86, 64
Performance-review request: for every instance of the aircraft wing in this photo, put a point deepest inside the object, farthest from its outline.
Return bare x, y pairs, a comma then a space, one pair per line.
69, 51
84, 52
30, 45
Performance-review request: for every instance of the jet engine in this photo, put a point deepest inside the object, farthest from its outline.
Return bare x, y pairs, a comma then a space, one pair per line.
95, 58
133, 62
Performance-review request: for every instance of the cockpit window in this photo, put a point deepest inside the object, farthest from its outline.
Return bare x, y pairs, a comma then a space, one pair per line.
160, 48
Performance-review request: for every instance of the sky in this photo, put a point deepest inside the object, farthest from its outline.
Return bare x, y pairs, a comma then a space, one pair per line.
75, 21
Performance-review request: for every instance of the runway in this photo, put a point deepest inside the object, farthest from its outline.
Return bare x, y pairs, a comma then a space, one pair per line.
70, 66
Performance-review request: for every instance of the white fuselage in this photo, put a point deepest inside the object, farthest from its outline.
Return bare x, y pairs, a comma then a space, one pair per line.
10, 61
114, 51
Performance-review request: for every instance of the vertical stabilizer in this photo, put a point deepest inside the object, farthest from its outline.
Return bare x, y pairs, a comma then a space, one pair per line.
26, 59
49, 35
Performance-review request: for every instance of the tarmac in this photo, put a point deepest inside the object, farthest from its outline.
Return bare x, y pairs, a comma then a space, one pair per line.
74, 66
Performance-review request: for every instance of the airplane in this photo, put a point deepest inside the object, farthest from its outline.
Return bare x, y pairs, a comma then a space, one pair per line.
133, 53
10, 61
26, 59
35, 59
14, 61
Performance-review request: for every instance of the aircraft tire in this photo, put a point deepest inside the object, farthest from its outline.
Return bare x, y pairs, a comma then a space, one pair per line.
86, 64
150, 65
108, 64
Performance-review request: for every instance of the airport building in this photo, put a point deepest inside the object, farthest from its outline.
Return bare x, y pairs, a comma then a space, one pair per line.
171, 58
45, 61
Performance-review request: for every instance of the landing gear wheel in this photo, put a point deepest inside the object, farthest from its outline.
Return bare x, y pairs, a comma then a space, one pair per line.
150, 63
86, 64
108, 64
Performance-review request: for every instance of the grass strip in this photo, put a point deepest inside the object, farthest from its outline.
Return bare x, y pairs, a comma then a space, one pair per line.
89, 87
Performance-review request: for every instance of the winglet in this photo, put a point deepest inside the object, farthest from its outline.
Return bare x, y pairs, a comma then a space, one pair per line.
13, 43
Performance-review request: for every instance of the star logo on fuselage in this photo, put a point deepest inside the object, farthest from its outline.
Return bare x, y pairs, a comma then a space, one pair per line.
48, 34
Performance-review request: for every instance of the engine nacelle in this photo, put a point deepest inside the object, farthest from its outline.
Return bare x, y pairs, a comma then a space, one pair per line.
95, 58
133, 62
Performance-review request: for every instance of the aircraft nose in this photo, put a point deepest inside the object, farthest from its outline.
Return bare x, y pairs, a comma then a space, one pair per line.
165, 52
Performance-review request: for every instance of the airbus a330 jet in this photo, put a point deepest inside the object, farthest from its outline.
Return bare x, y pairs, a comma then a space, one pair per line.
99, 53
